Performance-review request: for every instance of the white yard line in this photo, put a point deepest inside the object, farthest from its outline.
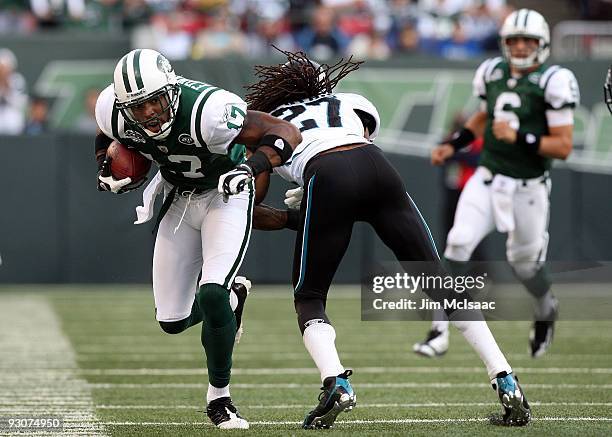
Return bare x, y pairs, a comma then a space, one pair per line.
52, 407
312, 370
369, 422
388, 385
30, 334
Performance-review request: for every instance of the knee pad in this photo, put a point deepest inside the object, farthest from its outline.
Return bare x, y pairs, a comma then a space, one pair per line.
459, 243
310, 311
175, 327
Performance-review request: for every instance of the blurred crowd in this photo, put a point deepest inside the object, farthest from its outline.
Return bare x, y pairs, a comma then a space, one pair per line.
194, 29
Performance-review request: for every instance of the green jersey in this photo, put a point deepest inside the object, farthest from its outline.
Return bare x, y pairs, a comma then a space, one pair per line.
199, 147
531, 103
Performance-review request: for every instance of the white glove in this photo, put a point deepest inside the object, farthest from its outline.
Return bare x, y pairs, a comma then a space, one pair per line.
109, 183
234, 181
293, 198
106, 182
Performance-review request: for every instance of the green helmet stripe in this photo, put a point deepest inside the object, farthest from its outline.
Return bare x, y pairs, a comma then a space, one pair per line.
124, 72
526, 17
516, 17
136, 64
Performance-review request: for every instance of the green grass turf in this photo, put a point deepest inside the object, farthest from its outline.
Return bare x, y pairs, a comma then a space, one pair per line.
114, 334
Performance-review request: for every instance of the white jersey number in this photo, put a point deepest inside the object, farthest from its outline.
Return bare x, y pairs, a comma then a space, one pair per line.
297, 114
514, 101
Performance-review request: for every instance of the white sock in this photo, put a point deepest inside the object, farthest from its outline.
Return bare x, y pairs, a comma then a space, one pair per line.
319, 339
479, 336
440, 321
216, 393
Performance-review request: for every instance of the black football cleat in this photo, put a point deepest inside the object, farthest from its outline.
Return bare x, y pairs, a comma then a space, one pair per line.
336, 396
542, 333
516, 408
224, 415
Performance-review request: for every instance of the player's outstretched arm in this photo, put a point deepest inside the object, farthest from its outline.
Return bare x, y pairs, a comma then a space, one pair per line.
272, 141
473, 128
266, 218
275, 138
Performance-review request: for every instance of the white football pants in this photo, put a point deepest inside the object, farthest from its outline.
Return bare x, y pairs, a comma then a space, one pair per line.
528, 205
203, 234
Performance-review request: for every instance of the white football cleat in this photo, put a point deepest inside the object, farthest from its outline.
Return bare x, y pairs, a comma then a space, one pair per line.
435, 345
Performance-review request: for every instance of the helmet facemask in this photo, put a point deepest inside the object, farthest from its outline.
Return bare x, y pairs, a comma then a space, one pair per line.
537, 57
168, 97
608, 90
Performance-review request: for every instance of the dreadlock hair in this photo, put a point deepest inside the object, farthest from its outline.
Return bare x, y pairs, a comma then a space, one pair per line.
299, 78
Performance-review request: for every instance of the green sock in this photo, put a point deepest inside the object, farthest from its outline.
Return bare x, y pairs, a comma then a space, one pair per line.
539, 284
456, 268
218, 332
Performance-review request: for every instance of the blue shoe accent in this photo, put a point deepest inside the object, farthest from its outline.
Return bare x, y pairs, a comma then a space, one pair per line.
337, 395
516, 408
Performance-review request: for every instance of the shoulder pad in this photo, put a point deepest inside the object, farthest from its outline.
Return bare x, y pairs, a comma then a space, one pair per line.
560, 88
216, 119
361, 103
484, 74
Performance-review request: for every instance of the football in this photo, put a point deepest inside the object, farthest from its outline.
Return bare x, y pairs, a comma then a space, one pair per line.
127, 163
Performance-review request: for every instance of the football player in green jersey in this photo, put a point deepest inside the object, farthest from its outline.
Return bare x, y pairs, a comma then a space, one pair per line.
196, 133
526, 119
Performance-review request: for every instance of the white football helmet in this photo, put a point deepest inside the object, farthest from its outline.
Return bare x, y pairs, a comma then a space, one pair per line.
529, 24
140, 75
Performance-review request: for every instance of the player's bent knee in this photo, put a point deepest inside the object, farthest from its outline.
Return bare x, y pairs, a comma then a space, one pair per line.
175, 327
525, 260
211, 297
459, 243
525, 269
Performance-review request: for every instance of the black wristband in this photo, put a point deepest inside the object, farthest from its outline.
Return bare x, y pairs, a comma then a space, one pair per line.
258, 162
462, 138
101, 143
279, 144
293, 219
528, 140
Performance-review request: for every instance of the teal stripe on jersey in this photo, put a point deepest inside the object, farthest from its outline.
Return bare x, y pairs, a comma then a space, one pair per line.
198, 117
124, 72
431, 240
304, 253
247, 234
136, 65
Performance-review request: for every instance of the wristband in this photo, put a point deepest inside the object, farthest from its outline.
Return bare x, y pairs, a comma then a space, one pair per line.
279, 144
258, 163
293, 219
462, 138
528, 140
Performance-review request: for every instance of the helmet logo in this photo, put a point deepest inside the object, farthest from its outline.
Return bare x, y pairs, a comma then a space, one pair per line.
163, 65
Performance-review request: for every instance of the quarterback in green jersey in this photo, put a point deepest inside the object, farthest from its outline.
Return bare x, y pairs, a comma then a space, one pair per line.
196, 133
526, 118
